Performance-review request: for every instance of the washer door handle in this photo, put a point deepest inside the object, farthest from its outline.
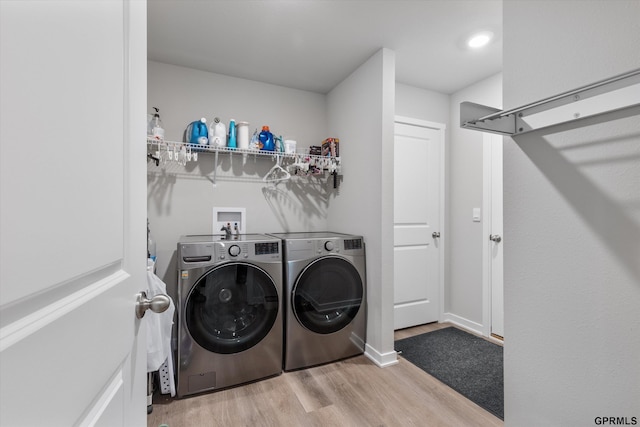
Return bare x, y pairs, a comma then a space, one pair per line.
158, 304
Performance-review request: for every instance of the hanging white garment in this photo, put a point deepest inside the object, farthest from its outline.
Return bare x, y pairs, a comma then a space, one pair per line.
159, 329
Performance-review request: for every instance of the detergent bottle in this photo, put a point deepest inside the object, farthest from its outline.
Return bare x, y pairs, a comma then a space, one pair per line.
217, 133
197, 132
232, 144
266, 139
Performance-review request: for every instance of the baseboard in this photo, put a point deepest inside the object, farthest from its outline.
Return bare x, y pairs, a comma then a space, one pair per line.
470, 326
382, 360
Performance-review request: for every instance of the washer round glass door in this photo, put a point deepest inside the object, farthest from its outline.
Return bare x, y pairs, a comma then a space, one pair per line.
327, 295
231, 308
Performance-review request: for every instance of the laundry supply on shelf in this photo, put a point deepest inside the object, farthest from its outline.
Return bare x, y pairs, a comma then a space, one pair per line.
154, 128
266, 139
217, 133
315, 150
254, 144
197, 132
242, 132
232, 144
331, 147
290, 146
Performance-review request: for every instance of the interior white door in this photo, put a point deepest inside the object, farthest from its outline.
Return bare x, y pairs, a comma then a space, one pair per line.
417, 211
72, 218
496, 238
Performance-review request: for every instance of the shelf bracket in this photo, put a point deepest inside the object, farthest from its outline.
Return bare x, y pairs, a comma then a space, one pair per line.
470, 111
215, 168
619, 94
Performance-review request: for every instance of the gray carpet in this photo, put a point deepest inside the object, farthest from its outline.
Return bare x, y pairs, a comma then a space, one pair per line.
470, 365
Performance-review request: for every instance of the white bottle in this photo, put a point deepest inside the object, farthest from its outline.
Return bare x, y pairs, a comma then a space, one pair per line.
243, 135
157, 132
219, 132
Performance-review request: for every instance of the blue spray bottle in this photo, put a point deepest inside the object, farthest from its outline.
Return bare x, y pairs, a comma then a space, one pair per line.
232, 135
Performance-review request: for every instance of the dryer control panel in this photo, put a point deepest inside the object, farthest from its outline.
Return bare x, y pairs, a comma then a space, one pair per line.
308, 248
351, 244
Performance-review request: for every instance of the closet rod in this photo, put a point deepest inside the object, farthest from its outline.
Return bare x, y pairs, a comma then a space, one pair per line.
615, 94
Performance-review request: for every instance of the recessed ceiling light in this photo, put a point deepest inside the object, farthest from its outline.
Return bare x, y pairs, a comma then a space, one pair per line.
480, 39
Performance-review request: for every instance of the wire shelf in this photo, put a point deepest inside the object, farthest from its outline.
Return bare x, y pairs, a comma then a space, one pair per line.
163, 152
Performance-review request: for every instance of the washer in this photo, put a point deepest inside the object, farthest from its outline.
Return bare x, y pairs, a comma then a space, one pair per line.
229, 311
325, 305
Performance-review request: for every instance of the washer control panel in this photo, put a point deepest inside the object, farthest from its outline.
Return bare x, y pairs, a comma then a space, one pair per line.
249, 250
204, 250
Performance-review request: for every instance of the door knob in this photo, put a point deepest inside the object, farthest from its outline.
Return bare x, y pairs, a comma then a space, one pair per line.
157, 304
495, 237
435, 234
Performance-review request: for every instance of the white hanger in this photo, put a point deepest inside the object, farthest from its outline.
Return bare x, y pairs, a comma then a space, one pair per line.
277, 173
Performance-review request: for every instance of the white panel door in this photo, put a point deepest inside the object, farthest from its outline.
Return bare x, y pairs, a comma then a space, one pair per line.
417, 207
72, 212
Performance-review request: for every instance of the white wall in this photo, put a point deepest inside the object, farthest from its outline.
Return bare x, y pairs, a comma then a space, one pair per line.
463, 293
361, 112
571, 223
422, 104
181, 199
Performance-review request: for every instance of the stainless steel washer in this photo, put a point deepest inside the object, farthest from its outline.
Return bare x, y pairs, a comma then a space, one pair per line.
229, 311
325, 288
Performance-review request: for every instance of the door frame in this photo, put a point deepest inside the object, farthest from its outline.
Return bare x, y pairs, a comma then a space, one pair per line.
441, 128
489, 161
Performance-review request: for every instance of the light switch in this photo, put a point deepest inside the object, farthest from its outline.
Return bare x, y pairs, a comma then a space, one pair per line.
476, 214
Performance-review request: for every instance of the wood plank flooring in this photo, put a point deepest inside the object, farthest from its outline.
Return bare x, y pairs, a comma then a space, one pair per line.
350, 393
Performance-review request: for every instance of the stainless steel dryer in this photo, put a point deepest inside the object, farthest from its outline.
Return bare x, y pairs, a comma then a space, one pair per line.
229, 311
325, 301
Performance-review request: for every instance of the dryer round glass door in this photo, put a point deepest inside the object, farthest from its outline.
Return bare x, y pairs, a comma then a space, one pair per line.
327, 295
231, 308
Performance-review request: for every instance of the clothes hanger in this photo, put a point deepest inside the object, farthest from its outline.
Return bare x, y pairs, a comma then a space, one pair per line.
277, 173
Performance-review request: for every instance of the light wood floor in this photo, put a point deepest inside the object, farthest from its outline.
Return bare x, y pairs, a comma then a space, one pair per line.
353, 392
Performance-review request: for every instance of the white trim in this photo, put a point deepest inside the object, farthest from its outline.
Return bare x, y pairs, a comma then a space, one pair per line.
26, 326
489, 165
467, 324
486, 230
381, 360
443, 221
419, 122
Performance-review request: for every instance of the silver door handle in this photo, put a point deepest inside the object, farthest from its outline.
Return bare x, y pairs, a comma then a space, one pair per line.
435, 234
495, 237
158, 304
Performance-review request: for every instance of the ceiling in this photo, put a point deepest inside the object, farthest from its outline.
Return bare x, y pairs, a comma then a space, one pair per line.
315, 44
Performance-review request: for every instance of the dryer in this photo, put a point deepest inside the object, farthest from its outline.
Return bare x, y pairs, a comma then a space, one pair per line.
229, 309
325, 304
